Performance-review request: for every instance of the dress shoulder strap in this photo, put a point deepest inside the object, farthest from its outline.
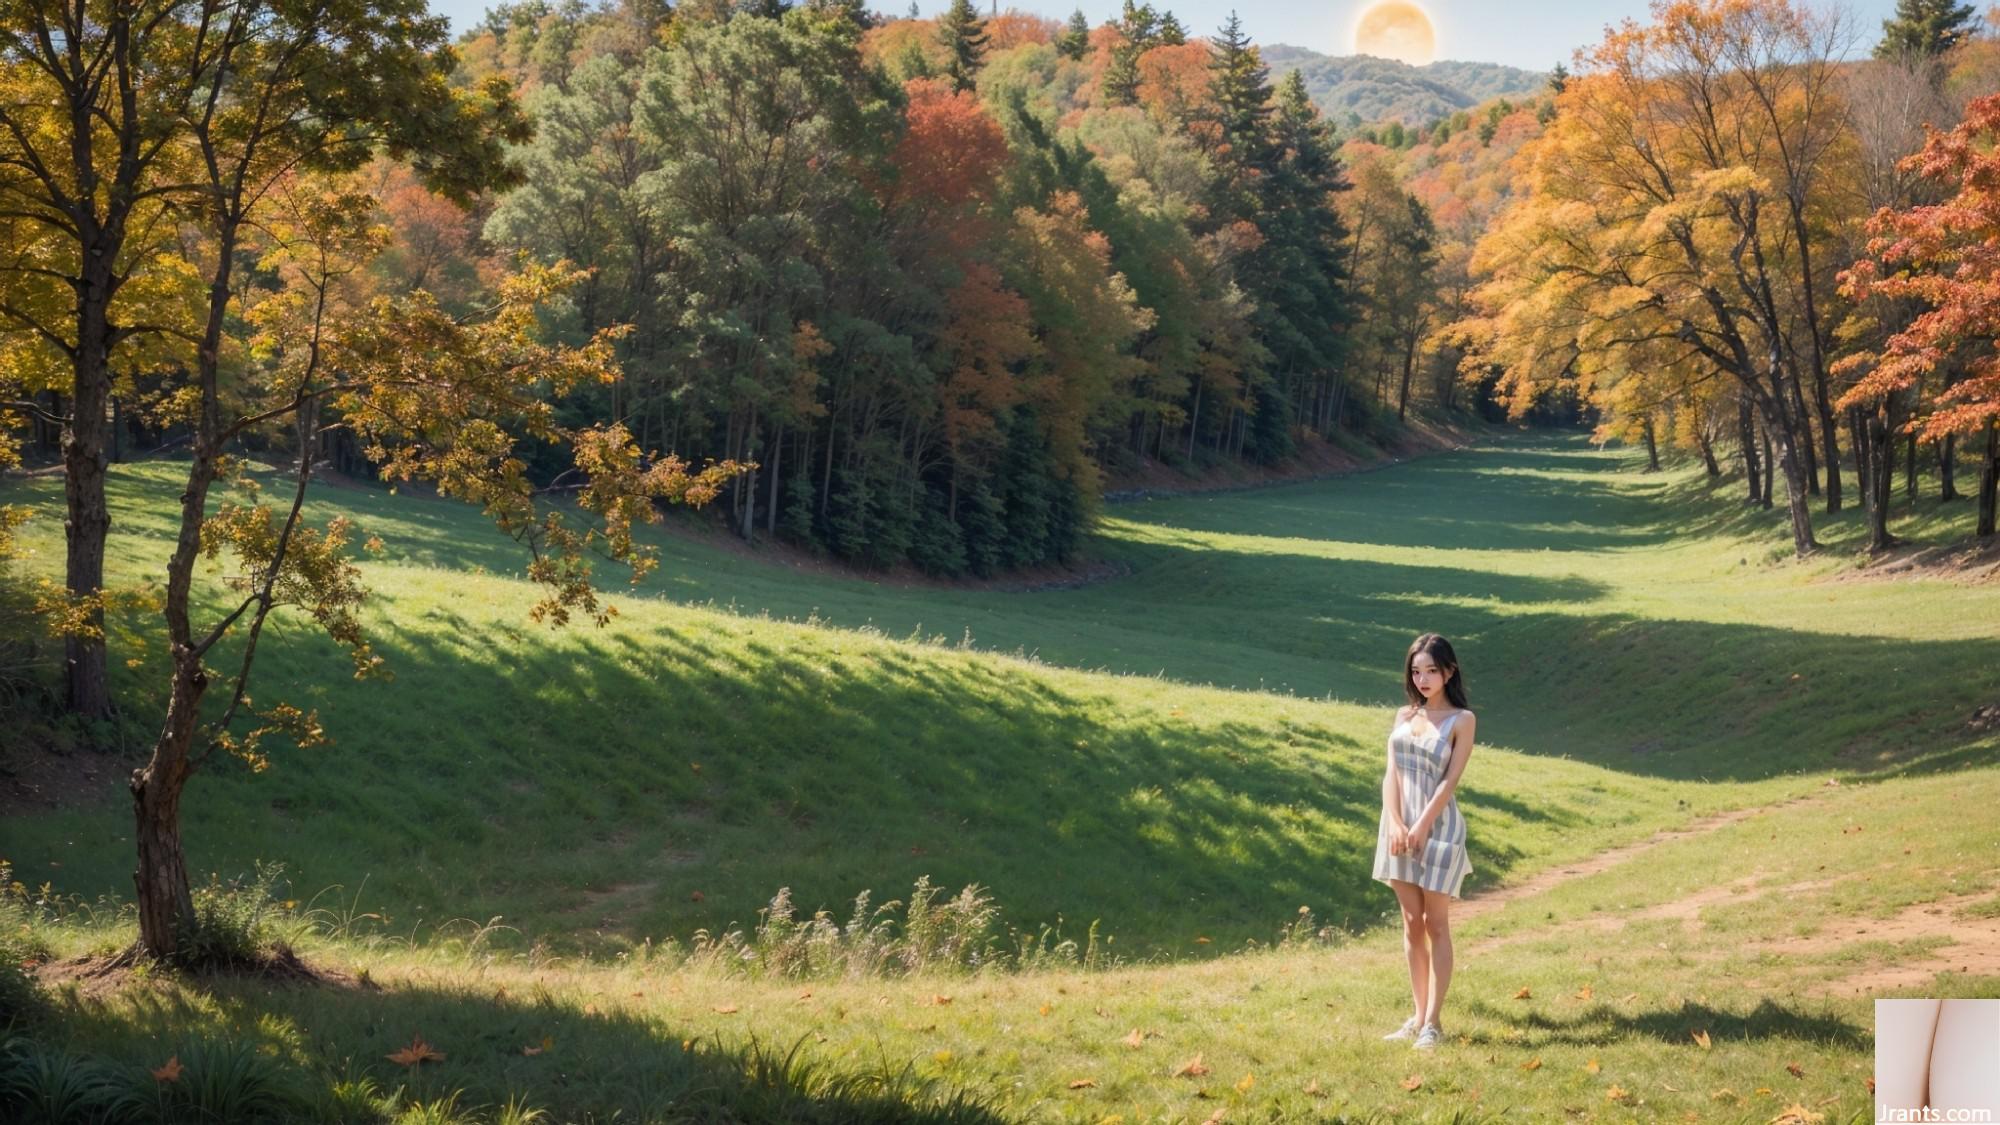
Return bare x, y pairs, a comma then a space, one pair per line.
1444, 731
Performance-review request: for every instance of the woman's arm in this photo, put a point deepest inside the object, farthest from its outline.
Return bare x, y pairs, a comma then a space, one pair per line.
1903, 1031
1462, 734
1392, 798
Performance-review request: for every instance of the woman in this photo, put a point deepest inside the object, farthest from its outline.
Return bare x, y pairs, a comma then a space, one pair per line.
1420, 845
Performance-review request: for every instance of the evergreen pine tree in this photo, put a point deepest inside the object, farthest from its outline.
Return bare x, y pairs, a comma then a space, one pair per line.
1171, 34
1074, 42
1240, 88
1141, 26
1121, 78
1929, 27
963, 34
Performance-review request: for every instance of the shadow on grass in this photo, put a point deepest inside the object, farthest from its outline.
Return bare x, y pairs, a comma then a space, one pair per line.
1601, 1023
250, 1051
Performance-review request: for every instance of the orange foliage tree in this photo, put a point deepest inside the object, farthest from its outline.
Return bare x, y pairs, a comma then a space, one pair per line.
1946, 256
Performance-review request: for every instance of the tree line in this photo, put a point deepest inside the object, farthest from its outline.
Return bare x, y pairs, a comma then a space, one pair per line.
1729, 232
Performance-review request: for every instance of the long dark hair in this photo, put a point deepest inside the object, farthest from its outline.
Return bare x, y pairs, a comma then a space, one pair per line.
1439, 650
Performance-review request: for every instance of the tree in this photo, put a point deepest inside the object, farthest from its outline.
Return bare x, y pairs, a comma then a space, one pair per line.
94, 96
1943, 256
1925, 27
141, 111
963, 34
1074, 42
431, 396
1661, 205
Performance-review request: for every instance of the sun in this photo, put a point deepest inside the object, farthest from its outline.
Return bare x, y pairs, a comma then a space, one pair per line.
1395, 29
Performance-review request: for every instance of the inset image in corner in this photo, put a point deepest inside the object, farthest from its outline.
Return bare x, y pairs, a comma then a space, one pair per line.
1937, 1060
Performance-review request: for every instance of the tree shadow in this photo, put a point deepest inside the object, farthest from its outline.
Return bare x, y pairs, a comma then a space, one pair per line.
1601, 1023
323, 1047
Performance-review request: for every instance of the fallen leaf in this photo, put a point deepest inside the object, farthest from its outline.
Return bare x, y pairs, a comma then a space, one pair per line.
1871, 1087
1201, 941
806, 995
1591, 1066
1521, 995
417, 1052
695, 897
1794, 1068
1244, 1083
1583, 993
1413, 1081
1532, 1064
1628, 998
940, 999
1618, 1093
942, 1058
725, 1009
1214, 1118
1312, 1088
1047, 1008
1137, 1037
1190, 1069
1725, 1095
1796, 1114
547, 1042
1083, 1083
1701, 1037
170, 1072
1764, 1090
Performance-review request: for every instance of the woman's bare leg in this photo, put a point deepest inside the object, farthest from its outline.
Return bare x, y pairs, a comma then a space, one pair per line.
1437, 924
1411, 898
1965, 1056
1903, 1031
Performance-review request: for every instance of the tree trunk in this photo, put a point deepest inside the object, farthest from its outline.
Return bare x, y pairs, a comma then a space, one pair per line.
1746, 436
1652, 447
1910, 469
1801, 428
1989, 478
88, 518
1947, 487
1708, 461
1881, 473
1403, 395
161, 881
1194, 420
1770, 463
1857, 435
777, 459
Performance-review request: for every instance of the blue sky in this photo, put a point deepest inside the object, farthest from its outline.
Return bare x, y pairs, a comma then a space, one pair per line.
1516, 32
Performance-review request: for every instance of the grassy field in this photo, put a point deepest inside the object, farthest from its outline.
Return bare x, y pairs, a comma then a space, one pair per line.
1185, 754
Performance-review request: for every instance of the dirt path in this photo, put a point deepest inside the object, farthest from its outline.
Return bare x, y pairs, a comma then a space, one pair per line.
1498, 898
1966, 921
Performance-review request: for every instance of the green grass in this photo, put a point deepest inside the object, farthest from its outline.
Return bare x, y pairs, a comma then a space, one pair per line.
1190, 751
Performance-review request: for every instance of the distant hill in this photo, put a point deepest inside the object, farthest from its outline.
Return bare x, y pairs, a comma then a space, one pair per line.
1383, 89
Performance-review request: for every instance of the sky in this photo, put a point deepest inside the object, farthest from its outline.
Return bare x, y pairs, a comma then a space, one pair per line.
1533, 34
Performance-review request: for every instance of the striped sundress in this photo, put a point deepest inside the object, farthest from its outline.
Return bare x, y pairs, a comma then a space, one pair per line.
1420, 767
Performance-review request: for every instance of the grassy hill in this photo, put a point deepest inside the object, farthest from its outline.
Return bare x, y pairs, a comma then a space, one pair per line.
1186, 754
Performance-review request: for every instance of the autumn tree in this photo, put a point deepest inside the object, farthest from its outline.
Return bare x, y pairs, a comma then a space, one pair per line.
1675, 196
1943, 256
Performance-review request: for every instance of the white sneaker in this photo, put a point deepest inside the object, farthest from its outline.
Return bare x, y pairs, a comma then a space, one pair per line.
1429, 1037
1407, 1031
